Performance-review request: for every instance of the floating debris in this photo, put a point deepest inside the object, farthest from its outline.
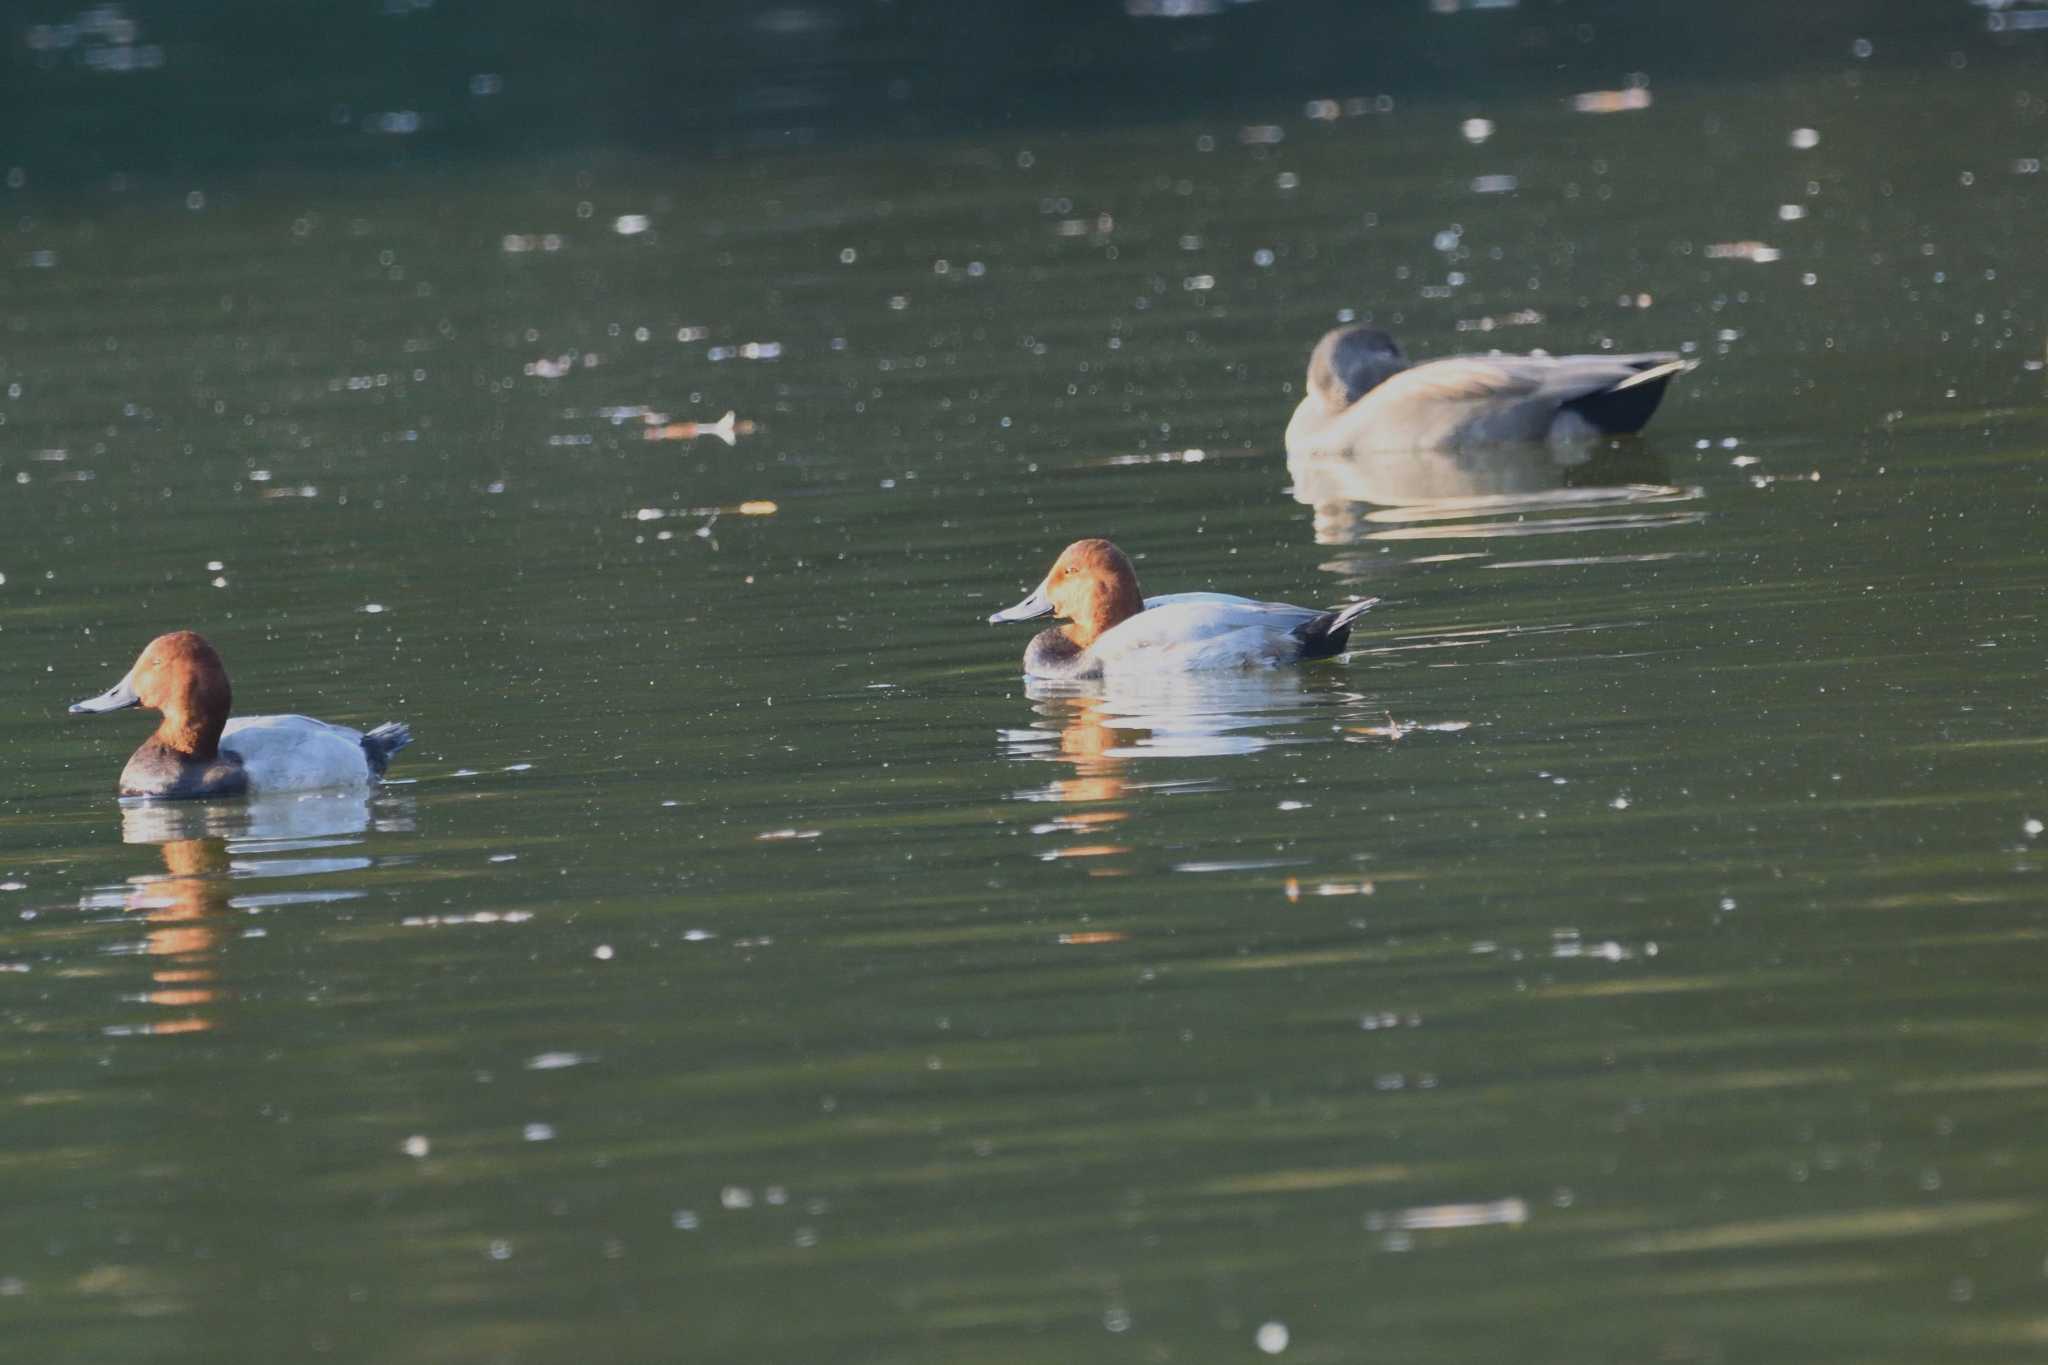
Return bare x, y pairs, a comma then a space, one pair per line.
2002, 20
551, 367
1803, 139
1083, 851
752, 350
728, 429
1476, 130
103, 39
1743, 251
1612, 101
518, 243
1526, 317
1088, 936
1437, 1217
1294, 890
769, 836
622, 413
753, 507
1192, 455
480, 917
1495, 184
1393, 729
630, 224
1400, 729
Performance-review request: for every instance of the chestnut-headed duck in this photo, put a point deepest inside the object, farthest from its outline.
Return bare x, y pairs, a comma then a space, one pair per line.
197, 751
1115, 629
1364, 396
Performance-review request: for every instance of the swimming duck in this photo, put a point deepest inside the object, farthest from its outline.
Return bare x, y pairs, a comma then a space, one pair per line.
1365, 396
181, 675
1117, 630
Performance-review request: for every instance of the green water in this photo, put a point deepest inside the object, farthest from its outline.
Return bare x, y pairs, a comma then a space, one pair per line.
1631, 952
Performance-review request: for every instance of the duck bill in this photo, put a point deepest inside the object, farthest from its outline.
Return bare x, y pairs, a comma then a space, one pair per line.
119, 697
1038, 604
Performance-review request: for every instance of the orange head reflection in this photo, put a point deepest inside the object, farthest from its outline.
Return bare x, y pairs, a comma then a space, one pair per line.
183, 907
1094, 747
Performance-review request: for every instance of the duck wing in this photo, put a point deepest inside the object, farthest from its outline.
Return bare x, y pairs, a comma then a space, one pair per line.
1471, 399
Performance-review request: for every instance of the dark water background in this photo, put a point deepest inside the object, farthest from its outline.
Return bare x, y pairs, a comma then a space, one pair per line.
1631, 953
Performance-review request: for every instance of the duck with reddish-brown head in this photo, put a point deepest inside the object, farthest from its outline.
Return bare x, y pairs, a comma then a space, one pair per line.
198, 751
1113, 628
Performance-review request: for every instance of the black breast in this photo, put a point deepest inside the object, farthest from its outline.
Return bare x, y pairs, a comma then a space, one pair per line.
155, 770
1052, 655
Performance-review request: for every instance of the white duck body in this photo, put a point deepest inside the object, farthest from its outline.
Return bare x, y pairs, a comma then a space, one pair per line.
297, 753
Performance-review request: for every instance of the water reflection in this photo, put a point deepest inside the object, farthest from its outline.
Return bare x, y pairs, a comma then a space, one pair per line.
206, 847
1097, 723
1102, 730
182, 906
1099, 727
1498, 490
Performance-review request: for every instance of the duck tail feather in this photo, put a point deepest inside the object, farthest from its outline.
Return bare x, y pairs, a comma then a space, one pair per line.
1329, 632
1629, 405
383, 742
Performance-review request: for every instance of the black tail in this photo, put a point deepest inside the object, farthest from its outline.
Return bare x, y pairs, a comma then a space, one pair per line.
1628, 406
381, 743
1324, 635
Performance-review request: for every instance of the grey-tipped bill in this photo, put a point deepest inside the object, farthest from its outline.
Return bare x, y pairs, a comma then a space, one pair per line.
119, 697
1038, 604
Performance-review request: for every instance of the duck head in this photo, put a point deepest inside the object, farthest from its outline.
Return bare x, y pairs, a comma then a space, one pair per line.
180, 675
1351, 362
1092, 585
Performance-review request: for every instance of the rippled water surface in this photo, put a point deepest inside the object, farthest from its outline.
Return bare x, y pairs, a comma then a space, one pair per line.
1631, 951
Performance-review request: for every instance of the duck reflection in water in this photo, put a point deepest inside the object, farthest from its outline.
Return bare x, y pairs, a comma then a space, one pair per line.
1109, 735
183, 906
209, 846
1096, 790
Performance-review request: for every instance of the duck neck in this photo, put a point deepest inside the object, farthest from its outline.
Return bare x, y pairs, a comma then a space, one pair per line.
189, 736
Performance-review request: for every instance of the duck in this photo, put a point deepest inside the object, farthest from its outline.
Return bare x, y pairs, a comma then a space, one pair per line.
197, 751
1115, 630
1364, 396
